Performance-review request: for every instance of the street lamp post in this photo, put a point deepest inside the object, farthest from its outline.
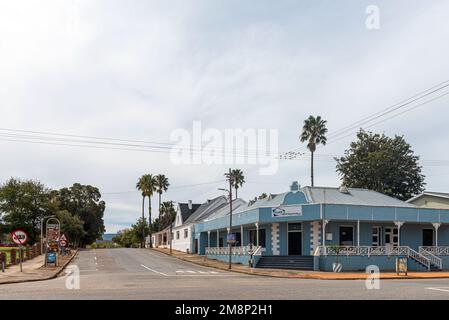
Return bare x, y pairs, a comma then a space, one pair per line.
230, 217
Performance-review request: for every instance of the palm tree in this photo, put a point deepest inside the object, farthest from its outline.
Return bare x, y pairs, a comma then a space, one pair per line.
141, 187
314, 132
162, 185
147, 183
238, 180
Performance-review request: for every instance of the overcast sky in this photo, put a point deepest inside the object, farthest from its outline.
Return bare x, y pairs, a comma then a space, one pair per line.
138, 70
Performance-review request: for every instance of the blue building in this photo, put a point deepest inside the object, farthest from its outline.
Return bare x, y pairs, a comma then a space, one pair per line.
321, 228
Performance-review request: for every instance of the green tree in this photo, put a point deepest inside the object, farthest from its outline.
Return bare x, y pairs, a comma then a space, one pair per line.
72, 226
162, 185
383, 164
314, 133
23, 203
131, 237
84, 201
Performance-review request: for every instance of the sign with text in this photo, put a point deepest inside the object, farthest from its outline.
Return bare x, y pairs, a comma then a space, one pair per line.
293, 211
232, 238
19, 237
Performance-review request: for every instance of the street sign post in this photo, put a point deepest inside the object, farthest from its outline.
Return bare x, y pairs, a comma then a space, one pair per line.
52, 237
20, 238
63, 242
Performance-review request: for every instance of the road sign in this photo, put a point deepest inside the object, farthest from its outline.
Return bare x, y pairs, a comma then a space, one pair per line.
62, 243
63, 238
19, 237
232, 238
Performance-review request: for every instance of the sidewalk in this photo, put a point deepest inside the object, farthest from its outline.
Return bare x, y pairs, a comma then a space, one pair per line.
33, 270
296, 274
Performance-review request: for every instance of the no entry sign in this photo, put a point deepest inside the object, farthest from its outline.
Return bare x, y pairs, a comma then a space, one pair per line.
19, 237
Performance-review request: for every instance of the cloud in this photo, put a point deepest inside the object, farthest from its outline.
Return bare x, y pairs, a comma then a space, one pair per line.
139, 70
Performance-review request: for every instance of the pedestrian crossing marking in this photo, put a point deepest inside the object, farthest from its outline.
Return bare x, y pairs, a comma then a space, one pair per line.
195, 272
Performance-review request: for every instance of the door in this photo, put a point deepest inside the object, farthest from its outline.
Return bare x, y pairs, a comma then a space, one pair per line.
376, 237
295, 243
427, 237
294, 239
346, 236
391, 237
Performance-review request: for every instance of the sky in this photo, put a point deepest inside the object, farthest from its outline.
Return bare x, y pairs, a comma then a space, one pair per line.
138, 70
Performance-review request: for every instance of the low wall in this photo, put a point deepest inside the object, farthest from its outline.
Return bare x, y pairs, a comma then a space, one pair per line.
244, 260
359, 263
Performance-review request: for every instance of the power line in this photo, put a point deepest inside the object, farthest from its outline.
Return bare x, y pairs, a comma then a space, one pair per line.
385, 111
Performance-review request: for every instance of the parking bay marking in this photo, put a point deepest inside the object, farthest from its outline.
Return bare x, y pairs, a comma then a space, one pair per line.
161, 273
443, 289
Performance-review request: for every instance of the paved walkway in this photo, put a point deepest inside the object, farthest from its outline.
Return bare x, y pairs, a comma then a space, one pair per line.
297, 274
33, 270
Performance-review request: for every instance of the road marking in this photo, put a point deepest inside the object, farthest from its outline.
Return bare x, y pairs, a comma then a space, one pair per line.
190, 271
180, 271
444, 289
213, 272
161, 273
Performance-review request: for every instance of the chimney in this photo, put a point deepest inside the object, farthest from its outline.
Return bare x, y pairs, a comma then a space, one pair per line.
190, 205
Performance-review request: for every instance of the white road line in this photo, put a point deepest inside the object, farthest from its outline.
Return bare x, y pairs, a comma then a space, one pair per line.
213, 272
190, 271
444, 289
161, 273
180, 271
202, 272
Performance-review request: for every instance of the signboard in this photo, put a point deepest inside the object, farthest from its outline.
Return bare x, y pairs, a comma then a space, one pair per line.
19, 237
63, 238
295, 211
401, 266
52, 232
63, 243
232, 238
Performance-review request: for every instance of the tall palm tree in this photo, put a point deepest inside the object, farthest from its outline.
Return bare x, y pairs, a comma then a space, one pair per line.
147, 183
236, 178
141, 187
314, 133
162, 185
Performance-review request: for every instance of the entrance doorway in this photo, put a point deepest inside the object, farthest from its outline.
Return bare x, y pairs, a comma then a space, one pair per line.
391, 237
294, 239
346, 236
427, 237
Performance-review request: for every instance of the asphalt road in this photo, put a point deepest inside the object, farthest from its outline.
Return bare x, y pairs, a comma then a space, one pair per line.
145, 274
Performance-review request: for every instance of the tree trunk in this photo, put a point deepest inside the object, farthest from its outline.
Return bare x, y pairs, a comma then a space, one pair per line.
236, 193
159, 216
149, 221
311, 168
143, 225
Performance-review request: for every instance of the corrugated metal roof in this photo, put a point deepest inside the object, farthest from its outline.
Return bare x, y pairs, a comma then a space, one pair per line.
223, 210
355, 196
206, 209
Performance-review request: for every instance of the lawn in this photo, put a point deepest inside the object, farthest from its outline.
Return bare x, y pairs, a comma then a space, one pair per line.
7, 250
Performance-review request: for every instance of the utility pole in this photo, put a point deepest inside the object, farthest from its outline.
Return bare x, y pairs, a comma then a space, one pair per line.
230, 218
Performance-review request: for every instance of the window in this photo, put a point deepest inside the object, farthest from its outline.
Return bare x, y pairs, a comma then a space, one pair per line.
376, 237
253, 237
294, 227
186, 233
177, 235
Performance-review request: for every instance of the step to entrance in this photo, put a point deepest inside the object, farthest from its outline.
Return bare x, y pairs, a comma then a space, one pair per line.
286, 262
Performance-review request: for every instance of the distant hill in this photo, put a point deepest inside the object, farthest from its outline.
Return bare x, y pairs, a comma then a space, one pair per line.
108, 237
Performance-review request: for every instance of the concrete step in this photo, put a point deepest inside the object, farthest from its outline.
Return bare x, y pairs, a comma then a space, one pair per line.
286, 262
